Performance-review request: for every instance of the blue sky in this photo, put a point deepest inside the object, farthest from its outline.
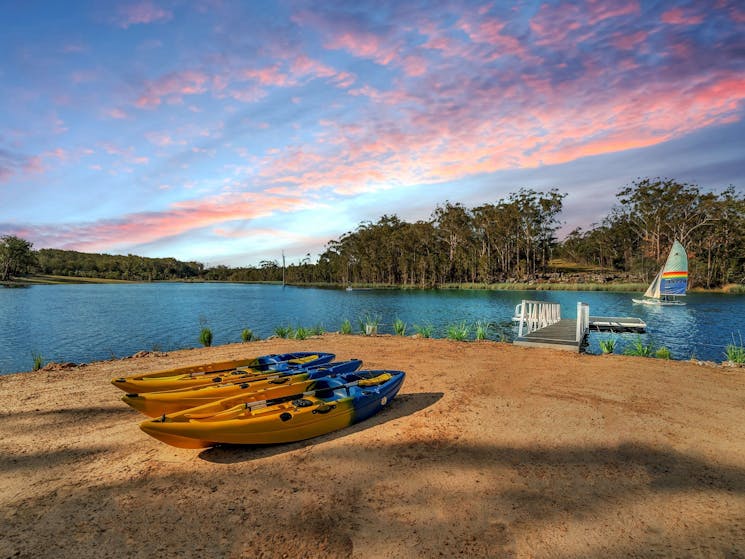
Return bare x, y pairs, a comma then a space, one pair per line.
226, 132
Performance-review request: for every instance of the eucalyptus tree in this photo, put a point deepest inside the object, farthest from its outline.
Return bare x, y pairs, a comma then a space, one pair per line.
16, 256
662, 211
454, 225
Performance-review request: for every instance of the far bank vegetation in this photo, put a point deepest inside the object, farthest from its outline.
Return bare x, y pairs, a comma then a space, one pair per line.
509, 241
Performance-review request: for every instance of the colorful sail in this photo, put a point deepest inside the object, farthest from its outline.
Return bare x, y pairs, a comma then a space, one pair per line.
674, 279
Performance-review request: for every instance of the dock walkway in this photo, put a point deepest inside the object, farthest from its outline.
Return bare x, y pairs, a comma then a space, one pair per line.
564, 333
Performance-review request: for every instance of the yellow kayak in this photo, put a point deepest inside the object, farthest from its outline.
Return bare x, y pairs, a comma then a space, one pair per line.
332, 404
259, 387
206, 374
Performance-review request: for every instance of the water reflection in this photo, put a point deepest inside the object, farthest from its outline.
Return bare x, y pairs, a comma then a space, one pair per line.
82, 323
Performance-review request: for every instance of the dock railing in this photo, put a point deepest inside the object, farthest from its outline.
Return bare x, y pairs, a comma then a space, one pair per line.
537, 314
583, 320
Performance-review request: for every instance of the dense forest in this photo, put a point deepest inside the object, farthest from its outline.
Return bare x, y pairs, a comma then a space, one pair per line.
512, 239
55, 262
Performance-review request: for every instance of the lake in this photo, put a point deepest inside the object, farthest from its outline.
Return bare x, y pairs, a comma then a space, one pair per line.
89, 322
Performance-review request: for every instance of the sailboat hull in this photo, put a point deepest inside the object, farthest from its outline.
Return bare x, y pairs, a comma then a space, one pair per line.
658, 302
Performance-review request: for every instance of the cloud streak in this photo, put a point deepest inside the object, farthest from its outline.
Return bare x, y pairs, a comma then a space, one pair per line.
292, 105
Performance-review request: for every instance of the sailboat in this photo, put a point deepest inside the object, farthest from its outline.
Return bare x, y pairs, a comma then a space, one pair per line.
670, 282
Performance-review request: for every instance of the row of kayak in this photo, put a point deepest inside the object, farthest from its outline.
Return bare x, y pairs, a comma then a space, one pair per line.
264, 400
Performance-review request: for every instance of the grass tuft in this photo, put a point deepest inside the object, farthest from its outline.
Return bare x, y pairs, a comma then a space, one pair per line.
458, 332
638, 349
735, 352
38, 361
482, 329
662, 353
608, 346
424, 330
369, 324
247, 335
205, 337
399, 327
284, 331
346, 327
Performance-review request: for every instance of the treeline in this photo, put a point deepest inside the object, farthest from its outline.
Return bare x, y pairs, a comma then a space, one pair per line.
638, 232
131, 267
511, 240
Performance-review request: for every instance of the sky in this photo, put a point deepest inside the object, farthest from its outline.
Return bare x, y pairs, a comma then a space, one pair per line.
228, 132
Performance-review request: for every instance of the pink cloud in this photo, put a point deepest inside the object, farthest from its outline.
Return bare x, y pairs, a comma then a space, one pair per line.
364, 44
116, 113
629, 41
141, 13
599, 10
677, 16
181, 217
271, 76
173, 86
161, 139
414, 65
555, 23
499, 129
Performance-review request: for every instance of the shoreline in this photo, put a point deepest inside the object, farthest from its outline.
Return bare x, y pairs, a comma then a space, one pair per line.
625, 287
51, 366
489, 450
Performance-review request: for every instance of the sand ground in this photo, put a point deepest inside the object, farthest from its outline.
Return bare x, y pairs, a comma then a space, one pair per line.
490, 450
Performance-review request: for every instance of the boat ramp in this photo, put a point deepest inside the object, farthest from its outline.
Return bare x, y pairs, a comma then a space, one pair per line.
540, 325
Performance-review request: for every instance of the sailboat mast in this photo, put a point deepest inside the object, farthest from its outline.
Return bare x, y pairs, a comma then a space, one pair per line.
283, 268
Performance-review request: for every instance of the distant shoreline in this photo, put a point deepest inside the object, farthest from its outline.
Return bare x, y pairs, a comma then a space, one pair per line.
625, 287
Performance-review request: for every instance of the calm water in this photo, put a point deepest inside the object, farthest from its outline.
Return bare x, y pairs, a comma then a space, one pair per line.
83, 323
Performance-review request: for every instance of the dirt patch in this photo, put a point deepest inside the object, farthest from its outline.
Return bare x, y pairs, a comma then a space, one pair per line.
490, 450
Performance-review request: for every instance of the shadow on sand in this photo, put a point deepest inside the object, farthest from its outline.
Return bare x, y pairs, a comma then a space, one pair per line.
402, 405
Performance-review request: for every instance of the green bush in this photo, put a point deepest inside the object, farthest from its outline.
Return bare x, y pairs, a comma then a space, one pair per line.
662, 353
734, 352
458, 332
482, 329
346, 327
608, 345
399, 327
205, 337
369, 324
247, 335
301, 333
638, 349
425, 331
38, 361
317, 330
283, 331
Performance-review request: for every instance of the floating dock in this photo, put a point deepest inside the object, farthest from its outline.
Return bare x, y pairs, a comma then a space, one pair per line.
541, 325
622, 324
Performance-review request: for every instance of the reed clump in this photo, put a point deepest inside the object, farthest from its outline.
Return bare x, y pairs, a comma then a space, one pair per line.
424, 330
284, 332
608, 346
458, 332
205, 337
399, 327
662, 353
369, 324
639, 349
38, 361
734, 352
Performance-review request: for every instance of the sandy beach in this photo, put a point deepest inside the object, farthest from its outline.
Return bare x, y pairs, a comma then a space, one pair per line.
490, 450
